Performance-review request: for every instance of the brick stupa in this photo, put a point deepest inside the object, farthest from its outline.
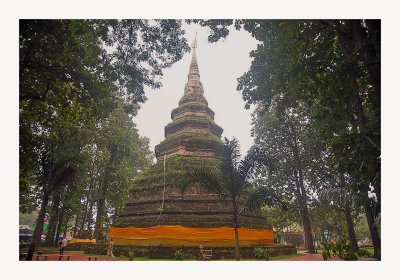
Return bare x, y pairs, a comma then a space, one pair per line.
192, 140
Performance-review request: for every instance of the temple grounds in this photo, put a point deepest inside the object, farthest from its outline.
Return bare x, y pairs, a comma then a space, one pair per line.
51, 254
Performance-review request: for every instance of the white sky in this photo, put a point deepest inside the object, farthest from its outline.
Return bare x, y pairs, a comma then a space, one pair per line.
220, 64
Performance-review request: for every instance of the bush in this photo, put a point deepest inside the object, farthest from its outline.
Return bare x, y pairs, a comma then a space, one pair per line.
258, 253
179, 255
131, 254
325, 255
341, 249
262, 253
144, 253
363, 253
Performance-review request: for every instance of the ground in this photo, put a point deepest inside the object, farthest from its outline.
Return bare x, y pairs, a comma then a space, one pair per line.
79, 256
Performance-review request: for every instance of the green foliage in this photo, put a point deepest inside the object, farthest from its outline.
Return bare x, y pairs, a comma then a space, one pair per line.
28, 218
191, 119
363, 253
331, 68
179, 255
280, 218
262, 253
176, 168
131, 254
77, 97
325, 255
201, 137
325, 218
144, 252
229, 180
341, 249
361, 228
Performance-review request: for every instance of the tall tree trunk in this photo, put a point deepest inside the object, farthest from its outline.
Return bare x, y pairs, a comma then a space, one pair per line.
350, 229
376, 240
307, 230
99, 218
101, 202
301, 198
84, 214
67, 218
39, 228
301, 191
59, 227
53, 222
369, 48
377, 191
90, 213
236, 225
237, 252
78, 216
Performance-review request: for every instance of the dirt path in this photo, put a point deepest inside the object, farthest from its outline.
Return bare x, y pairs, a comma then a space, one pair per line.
318, 257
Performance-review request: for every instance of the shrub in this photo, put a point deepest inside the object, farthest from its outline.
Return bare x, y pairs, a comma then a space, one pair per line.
341, 249
262, 253
144, 253
325, 255
363, 253
258, 252
179, 255
131, 254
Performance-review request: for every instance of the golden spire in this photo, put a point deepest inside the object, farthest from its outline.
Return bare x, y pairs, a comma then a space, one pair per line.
194, 44
194, 85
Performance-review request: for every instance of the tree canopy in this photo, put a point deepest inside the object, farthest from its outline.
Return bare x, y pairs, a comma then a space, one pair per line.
81, 82
330, 68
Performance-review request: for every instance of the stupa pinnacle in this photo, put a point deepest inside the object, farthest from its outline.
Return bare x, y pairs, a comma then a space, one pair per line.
193, 84
192, 131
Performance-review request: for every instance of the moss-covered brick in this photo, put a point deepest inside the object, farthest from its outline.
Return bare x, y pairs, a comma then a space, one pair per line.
192, 107
193, 137
193, 97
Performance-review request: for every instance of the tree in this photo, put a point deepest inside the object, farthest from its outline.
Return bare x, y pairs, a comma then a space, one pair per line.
282, 218
319, 64
229, 181
68, 81
60, 173
332, 67
124, 155
290, 154
341, 199
361, 227
28, 218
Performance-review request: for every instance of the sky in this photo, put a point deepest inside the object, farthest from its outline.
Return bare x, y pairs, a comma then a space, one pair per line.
220, 64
